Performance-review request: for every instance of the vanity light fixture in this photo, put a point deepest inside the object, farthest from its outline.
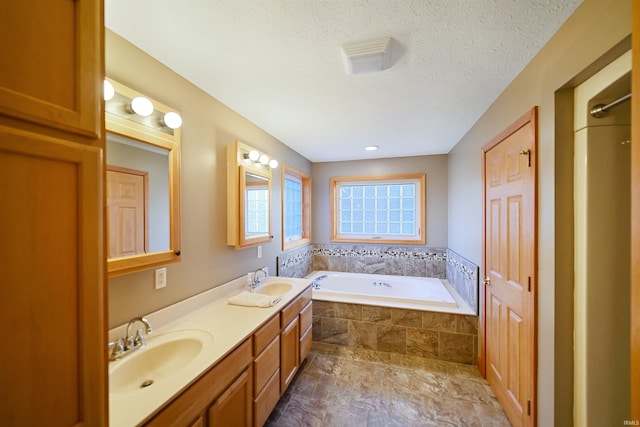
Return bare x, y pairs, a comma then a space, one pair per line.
108, 90
172, 120
142, 106
263, 159
253, 155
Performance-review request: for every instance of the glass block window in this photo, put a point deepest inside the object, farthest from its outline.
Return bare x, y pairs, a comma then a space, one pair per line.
292, 208
296, 207
257, 210
388, 209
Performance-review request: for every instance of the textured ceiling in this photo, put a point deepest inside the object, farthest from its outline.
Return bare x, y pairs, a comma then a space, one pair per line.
278, 63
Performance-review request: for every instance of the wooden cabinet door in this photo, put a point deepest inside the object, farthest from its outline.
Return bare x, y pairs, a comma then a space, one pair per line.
289, 353
51, 301
52, 63
198, 423
234, 407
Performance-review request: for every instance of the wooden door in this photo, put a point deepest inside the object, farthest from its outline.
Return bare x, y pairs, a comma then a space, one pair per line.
127, 202
510, 267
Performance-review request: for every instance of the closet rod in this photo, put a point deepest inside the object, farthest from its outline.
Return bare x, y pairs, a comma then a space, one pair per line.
600, 110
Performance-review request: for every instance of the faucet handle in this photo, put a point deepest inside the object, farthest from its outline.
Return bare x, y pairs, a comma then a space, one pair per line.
117, 349
138, 341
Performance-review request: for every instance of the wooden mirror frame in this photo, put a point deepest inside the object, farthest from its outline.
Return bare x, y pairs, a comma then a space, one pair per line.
168, 139
237, 167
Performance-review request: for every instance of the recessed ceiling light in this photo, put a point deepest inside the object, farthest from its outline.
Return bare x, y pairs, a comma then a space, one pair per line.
371, 148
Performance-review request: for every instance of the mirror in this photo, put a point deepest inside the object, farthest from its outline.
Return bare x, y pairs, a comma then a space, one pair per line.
248, 198
255, 227
142, 157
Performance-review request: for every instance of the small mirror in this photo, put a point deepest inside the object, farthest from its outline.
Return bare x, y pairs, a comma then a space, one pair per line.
248, 196
137, 197
143, 184
255, 228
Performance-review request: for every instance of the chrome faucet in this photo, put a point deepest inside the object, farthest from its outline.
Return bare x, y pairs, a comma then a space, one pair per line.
256, 281
130, 343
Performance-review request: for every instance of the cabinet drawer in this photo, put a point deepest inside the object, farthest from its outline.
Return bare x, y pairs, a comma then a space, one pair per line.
305, 297
263, 336
266, 400
306, 318
293, 309
305, 343
265, 365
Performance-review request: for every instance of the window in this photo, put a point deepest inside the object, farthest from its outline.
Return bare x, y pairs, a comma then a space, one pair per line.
385, 209
296, 207
257, 207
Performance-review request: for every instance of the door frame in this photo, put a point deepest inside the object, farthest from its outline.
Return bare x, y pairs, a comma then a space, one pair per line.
635, 213
530, 116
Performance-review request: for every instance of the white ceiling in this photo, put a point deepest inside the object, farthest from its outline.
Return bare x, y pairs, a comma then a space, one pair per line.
278, 63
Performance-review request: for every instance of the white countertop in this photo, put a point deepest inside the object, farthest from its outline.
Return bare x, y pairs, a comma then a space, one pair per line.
229, 325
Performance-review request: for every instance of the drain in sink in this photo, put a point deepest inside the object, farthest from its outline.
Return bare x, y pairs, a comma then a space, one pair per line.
146, 383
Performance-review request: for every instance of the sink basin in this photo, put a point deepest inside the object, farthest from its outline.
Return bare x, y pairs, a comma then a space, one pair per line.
164, 357
275, 288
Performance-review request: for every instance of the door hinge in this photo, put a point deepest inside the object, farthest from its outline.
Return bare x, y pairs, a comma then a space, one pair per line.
529, 283
528, 407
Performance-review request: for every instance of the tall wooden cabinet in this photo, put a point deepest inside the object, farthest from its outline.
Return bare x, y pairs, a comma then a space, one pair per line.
52, 263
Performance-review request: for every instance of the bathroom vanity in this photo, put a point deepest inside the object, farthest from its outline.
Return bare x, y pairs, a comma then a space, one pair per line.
253, 357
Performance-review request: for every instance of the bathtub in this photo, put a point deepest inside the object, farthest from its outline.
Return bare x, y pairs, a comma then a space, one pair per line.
409, 292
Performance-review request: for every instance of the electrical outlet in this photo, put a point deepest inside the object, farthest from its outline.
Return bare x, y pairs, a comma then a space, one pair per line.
161, 278
259, 251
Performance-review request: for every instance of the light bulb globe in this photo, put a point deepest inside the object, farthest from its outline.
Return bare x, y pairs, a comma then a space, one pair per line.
142, 106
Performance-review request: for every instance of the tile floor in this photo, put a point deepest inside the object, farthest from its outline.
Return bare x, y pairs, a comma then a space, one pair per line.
340, 386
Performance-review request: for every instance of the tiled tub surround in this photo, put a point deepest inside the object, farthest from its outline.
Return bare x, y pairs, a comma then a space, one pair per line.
393, 260
423, 334
463, 275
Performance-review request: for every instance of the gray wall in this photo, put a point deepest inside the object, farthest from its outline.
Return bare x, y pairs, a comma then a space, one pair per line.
566, 60
435, 168
208, 128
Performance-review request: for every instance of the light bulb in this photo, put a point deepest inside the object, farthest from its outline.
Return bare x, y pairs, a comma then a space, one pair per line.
273, 163
108, 91
141, 106
371, 148
254, 155
172, 120
264, 159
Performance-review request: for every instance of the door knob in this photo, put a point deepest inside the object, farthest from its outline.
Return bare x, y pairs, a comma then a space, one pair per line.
487, 280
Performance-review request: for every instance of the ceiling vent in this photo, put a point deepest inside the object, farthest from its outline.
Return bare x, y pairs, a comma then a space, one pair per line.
367, 57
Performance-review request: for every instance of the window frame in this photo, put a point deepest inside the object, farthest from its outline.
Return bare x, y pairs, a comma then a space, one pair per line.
419, 208
305, 180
